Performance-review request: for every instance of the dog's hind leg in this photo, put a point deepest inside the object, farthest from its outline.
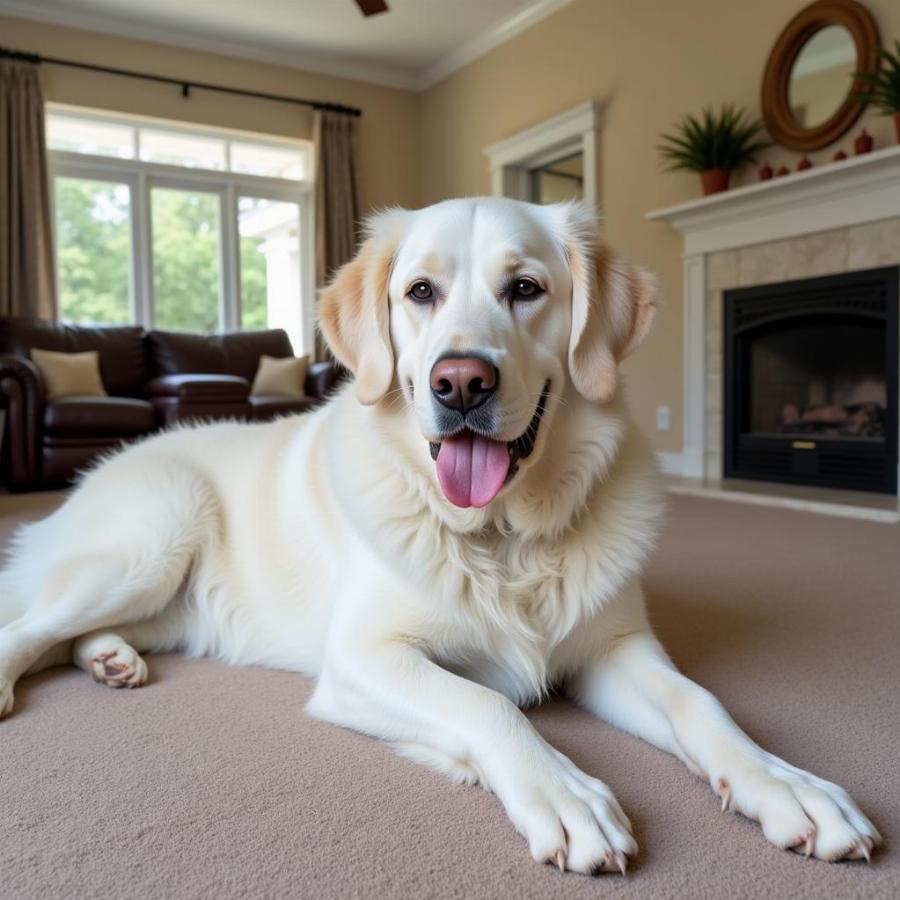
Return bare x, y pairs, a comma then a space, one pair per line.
135, 538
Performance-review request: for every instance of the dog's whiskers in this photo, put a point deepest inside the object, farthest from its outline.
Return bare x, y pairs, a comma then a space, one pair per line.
551, 395
395, 392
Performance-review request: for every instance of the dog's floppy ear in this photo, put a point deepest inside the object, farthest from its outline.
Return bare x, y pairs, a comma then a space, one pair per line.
613, 306
354, 314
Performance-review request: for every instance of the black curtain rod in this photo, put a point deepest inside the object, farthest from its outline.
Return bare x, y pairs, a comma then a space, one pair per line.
186, 86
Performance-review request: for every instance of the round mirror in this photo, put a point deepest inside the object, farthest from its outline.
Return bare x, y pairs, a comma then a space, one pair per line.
822, 76
809, 95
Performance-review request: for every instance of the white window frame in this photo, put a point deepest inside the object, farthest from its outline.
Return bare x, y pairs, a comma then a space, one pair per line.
141, 177
575, 131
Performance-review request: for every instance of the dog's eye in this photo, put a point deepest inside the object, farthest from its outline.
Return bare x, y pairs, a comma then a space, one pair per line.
421, 292
525, 289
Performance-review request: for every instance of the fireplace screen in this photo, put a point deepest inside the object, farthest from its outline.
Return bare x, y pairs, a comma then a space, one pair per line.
811, 381
822, 378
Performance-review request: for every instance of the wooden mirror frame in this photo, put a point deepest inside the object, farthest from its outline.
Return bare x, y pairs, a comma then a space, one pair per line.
776, 107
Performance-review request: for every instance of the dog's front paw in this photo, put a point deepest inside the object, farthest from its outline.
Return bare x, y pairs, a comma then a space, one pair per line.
799, 811
569, 819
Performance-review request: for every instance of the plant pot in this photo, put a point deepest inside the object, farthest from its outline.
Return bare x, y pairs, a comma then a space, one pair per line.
715, 180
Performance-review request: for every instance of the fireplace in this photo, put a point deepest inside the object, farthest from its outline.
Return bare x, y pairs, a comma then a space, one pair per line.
810, 381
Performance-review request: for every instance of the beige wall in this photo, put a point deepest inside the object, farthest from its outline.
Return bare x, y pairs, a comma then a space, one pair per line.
388, 130
648, 61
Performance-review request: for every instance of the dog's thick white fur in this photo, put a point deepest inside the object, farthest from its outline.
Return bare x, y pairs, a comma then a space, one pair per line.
326, 544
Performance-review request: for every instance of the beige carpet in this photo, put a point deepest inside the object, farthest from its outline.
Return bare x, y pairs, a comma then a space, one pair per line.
210, 782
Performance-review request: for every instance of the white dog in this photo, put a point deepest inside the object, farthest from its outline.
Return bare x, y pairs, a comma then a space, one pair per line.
451, 536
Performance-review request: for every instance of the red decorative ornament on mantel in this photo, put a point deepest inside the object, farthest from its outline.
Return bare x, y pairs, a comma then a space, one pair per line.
840, 156
863, 144
766, 172
784, 170
805, 163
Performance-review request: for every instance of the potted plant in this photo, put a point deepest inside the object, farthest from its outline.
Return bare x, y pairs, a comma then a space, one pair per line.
882, 87
715, 144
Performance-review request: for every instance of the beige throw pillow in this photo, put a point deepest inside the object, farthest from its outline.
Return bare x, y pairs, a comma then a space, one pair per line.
280, 377
70, 374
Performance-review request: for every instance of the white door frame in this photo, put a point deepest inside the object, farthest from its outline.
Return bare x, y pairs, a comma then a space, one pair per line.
575, 131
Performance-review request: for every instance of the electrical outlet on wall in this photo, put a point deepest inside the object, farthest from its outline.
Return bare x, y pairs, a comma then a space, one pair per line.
662, 418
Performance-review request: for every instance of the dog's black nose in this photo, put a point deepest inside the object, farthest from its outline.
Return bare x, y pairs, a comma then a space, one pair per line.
463, 382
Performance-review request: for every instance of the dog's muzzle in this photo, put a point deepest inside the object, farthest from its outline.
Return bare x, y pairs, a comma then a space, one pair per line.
472, 468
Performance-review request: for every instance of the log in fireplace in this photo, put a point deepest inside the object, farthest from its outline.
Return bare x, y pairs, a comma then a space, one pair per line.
811, 381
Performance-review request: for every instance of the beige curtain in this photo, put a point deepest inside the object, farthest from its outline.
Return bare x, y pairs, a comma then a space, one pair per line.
337, 195
337, 191
27, 282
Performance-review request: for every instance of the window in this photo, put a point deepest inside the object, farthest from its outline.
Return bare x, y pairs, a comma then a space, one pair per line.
188, 150
182, 228
93, 249
270, 263
186, 257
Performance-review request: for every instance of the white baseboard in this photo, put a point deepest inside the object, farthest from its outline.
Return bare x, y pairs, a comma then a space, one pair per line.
670, 463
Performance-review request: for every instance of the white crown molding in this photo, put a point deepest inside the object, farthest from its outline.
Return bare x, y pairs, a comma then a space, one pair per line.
834, 195
302, 59
487, 41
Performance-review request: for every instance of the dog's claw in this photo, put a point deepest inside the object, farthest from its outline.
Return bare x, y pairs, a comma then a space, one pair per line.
621, 862
100, 660
723, 789
808, 849
560, 860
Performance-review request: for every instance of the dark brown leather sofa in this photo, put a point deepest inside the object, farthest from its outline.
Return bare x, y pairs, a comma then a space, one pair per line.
153, 379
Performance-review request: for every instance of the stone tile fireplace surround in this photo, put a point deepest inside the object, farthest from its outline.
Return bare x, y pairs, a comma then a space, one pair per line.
837, 218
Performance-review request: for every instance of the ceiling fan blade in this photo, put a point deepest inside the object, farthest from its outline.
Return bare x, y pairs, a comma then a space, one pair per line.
372, 7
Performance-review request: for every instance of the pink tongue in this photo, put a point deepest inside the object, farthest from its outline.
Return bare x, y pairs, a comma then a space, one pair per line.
472, 469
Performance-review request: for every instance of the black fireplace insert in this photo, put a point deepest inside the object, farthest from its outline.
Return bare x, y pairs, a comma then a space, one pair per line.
811, 381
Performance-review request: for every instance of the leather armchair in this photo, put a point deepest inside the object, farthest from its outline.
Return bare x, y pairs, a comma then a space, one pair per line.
22, 397
322, 378
179, 398
152, 380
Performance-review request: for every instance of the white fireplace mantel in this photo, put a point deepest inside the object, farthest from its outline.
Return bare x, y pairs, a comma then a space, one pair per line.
835, 195
855, 191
